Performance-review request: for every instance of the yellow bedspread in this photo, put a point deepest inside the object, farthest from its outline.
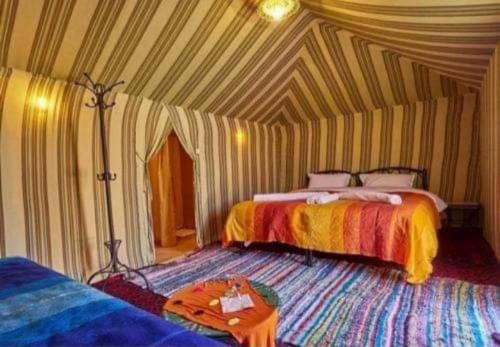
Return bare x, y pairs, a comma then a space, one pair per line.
404, 234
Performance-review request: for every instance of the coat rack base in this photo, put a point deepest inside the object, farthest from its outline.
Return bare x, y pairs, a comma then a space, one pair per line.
116, 267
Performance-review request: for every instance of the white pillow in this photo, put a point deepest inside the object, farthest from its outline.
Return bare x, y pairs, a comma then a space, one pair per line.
328, 180
387, 180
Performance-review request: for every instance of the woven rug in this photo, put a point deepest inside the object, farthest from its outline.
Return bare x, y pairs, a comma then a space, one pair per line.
339, 303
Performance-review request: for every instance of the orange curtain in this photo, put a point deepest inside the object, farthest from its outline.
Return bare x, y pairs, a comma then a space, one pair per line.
171, 174
182, 174
163, 198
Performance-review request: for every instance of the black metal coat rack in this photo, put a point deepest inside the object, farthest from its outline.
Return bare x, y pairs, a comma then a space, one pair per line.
115, 266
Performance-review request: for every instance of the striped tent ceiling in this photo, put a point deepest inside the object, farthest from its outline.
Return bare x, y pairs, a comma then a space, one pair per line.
455, 37
334, 57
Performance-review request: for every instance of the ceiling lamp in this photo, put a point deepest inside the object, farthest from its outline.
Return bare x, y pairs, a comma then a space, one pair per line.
276, 10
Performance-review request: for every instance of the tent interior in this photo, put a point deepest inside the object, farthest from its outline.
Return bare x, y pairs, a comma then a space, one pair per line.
334, 163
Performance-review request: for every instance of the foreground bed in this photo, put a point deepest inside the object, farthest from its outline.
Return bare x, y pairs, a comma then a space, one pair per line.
39, 307
404, 234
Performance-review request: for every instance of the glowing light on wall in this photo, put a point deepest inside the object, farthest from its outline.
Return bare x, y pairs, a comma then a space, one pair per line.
41, 102
240, 137
276, 10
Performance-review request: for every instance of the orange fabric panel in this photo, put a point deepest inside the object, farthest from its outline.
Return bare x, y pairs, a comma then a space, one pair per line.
174, 150
183, 184
187, 188
172, 183
163, 214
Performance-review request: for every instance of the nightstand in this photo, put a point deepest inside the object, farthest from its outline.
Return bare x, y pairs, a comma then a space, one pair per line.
464, 215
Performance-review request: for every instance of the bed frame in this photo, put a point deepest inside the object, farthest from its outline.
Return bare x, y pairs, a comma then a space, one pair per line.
421, 181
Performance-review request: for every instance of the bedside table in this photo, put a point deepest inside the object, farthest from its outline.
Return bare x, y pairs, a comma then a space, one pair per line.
464, 215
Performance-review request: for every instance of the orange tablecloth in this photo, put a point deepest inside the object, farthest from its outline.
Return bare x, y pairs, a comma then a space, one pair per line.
257, 325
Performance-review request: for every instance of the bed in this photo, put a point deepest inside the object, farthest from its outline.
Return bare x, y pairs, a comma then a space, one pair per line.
405, 234
40, 307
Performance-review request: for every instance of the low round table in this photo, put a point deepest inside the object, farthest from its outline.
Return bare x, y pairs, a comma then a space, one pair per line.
187, 306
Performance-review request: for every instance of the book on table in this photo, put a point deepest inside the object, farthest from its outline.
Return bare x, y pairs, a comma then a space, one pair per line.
237, 303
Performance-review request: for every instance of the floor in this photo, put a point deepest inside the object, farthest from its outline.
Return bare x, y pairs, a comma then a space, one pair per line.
184, 246
463, 254
321, 304
467, 256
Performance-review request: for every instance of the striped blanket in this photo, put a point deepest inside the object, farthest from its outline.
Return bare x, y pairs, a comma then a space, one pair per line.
338, 303
404, 234
39, 307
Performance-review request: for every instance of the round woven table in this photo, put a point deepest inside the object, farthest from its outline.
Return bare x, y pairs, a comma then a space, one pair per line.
266, 292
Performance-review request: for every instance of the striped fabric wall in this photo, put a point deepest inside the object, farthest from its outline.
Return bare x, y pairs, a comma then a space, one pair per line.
51, 205
440, 135
40, 200
219, 56
490, 152
228, 171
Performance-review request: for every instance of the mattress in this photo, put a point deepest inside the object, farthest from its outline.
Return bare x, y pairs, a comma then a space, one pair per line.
40, 307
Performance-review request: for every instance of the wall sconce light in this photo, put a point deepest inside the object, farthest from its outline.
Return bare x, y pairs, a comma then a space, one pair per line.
240, 137
41, 102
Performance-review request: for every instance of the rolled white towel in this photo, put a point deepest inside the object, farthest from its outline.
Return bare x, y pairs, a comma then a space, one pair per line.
322, 199
286, 196
364, 195
311, 200
395, 199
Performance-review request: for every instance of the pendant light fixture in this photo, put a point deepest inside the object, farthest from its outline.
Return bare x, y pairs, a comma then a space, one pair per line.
277, 10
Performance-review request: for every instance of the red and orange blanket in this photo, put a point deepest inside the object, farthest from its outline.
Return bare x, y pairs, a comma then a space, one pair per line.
404, 234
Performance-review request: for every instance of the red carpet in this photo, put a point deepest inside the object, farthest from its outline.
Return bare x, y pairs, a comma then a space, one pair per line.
463, 255
466, 255
134, 294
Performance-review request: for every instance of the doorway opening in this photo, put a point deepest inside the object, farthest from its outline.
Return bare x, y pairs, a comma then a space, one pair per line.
173, 204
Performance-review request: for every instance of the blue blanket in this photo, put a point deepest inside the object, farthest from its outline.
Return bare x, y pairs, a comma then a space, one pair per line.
39, 307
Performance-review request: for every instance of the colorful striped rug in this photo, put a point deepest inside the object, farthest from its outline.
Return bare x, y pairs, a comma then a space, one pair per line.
339, 303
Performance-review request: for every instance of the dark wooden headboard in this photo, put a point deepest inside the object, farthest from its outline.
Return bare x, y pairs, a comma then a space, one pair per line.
421, 174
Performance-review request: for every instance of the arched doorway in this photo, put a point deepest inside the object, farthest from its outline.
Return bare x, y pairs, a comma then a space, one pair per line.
173, 200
